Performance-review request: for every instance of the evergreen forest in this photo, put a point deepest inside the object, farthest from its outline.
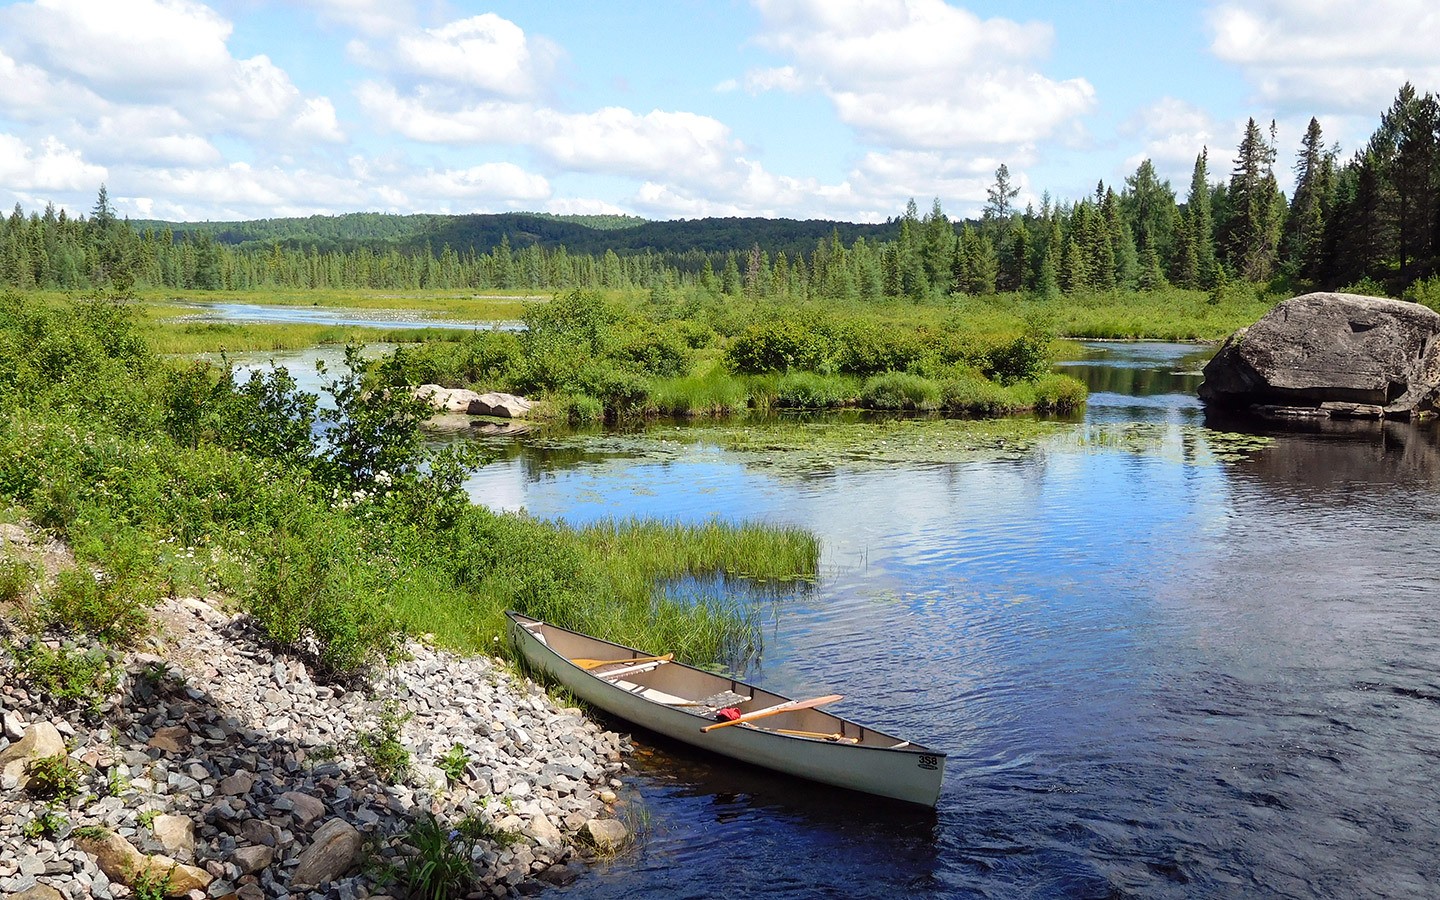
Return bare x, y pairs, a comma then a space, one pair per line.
1370, 222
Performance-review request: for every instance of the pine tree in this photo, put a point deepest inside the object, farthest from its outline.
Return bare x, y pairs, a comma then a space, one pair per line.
1200, 229
1303, 240
1252, 227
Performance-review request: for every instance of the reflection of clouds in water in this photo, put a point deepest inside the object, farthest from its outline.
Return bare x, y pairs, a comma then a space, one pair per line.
499, 486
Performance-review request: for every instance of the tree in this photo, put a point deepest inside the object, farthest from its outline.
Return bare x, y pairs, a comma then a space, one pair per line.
1303, 241
1149, 207
1252, 232
998, 197
1194, 265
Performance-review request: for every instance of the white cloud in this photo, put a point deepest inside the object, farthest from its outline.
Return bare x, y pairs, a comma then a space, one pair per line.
162, 67
501, 181
376, 18
484, 52
1318, 56
920, 73
613, 140
55, 167
124, 49
1171, 133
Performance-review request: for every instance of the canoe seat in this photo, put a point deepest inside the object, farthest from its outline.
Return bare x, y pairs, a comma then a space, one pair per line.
648, 693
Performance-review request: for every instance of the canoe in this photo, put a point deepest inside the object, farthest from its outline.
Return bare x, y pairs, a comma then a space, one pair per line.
795, 737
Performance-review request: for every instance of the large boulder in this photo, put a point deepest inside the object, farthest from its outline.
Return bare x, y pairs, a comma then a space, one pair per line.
1324, 354
503, 406
443, 399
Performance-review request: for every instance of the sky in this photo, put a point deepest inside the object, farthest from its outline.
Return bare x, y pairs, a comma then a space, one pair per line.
669, 109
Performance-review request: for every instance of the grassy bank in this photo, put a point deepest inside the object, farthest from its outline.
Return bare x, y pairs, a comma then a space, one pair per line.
171, 479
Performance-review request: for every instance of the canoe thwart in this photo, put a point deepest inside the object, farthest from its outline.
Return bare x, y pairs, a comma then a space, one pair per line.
588, 664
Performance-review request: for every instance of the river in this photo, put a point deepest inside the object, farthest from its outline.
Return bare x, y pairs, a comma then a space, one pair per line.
1161, 666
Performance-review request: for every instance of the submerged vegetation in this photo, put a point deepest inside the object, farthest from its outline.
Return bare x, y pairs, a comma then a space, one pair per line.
168, 478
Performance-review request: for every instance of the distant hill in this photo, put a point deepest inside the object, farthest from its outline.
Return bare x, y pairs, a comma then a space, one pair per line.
625, 235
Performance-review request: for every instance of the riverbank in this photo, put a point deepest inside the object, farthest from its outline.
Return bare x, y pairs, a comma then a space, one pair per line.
209, 747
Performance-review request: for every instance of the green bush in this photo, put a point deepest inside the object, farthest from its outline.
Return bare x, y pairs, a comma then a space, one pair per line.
807, 390
900, 391
1023, 359
777, 345
1426, 292
969, 393
16, 579
312, 586
52, 778
1059, 393
68, 675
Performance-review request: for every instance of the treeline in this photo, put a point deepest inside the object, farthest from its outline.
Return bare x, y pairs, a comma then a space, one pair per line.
1371, 221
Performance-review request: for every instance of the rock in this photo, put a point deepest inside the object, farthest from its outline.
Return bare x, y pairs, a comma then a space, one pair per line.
172, 739
605, 834
176, 834
502, 406
252, 859
561, 874
307, 809
14, 726
121, 862
1332, 355
38, 892
335, 851
39, 741
455, 400
544, 831
237, 785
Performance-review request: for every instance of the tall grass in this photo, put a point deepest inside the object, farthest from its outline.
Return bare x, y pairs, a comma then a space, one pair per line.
715, 393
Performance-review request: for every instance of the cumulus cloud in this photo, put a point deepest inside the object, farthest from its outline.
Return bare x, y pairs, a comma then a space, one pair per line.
920, 73
370, 17
161, 66
50, 167
612, 140
1317, 56
1171, 133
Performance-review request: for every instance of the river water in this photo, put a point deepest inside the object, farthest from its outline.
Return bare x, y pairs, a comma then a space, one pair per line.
1160, 667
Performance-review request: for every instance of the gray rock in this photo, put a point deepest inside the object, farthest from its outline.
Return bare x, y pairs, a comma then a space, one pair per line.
252, 859
606, 834
1318, 349
14, 726
503, 406
306, 808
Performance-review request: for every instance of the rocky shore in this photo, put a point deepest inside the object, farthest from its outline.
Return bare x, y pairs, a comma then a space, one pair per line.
225, 767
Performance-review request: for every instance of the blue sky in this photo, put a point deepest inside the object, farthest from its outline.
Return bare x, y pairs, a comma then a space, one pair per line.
807, 108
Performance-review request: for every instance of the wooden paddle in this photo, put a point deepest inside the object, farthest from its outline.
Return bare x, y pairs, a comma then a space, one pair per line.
777, 709
588, 664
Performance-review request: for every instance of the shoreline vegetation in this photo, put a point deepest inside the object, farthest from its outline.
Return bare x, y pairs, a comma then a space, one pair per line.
167, 478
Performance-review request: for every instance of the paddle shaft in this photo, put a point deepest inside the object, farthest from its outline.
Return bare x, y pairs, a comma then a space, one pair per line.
777, 709
588, 664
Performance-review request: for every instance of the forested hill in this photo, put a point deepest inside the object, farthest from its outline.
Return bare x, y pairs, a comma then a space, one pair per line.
483, 233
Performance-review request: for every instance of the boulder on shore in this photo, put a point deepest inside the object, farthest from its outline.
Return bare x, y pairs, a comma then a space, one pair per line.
460, 400
1331, 355
503, 406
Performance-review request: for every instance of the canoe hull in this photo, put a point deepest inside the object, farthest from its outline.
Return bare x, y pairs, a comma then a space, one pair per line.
910, 774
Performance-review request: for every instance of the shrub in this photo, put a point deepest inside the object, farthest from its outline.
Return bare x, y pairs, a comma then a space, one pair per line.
112, 603
16, 577
1023, 359
382, 747
314, 588
67, 675
969, 393
900, 390
1425, 292
52, 778
777, 345
1059, 393
807, 390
